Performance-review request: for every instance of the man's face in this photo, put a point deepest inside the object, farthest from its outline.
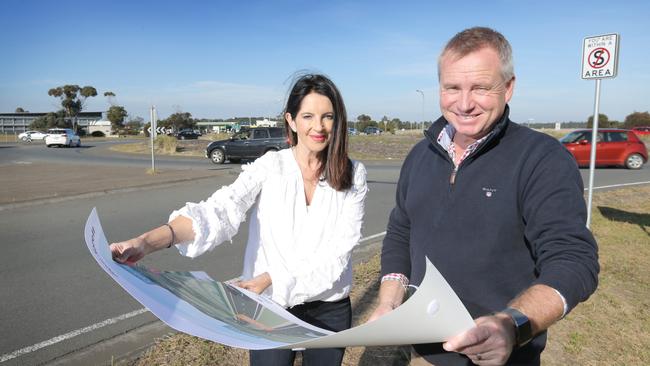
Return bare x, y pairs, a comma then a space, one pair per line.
473, 94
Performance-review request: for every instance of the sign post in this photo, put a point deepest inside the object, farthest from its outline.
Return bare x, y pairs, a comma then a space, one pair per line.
599, 61
152, 134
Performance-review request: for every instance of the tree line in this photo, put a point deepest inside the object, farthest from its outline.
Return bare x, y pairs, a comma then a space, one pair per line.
73, 100
635, 119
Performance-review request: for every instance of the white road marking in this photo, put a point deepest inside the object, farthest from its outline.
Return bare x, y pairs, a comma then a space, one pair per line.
620, 185
69, 335
372, 237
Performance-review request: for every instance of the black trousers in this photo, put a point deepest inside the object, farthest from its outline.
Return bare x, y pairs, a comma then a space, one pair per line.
334, 316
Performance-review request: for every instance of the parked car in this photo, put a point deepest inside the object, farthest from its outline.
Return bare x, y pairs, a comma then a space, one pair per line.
247, 144
32, 135
62, 137
353, 131
613, 147
187, 135
370, 130
645, 130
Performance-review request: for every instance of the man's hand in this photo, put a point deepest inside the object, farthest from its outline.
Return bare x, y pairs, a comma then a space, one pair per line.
257, 284
381, 310
490, 343
391, 295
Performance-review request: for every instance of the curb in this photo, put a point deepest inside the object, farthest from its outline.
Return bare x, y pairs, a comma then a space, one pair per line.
39, 201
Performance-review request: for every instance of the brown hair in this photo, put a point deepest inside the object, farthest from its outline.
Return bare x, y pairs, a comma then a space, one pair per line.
473, 39
335, 166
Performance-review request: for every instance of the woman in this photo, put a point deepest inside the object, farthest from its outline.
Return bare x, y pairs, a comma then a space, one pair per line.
307, 213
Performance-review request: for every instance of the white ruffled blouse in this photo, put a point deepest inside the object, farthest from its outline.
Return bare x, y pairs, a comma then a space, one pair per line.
305, 250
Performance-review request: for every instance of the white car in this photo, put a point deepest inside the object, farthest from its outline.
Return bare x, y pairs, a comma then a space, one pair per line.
62, 137
34, 135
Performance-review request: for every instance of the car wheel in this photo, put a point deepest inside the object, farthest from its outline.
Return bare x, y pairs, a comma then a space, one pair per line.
634, 161
79, 143
217, 156
24, 138
182, 137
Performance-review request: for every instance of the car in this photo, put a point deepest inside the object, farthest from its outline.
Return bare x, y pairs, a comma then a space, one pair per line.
32, 135
642, 130
187, 135
62, 137
370, 130
353, 131
248, 143
613, 147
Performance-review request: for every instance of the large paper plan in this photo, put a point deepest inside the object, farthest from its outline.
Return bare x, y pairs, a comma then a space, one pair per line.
193, 303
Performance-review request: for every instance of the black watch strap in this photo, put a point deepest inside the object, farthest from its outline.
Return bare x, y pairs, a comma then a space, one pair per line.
523, 329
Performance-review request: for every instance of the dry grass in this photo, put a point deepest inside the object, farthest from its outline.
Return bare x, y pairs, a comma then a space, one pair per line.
611, 328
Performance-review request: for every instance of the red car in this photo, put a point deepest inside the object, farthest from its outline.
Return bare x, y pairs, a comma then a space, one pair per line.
613, 147
641, 130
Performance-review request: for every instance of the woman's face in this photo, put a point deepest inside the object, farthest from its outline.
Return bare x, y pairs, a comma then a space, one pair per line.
313, 123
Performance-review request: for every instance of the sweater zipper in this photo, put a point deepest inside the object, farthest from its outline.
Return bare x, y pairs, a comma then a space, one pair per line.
454, 172
452, 178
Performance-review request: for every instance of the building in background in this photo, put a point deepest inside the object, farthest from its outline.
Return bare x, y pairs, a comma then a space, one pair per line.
15, 123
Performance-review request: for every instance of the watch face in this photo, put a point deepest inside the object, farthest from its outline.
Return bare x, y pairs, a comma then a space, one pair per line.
523, 329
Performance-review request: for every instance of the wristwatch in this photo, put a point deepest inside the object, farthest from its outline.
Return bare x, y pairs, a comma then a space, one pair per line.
523, 329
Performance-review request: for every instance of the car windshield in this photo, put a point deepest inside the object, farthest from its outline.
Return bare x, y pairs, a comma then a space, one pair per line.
575, 137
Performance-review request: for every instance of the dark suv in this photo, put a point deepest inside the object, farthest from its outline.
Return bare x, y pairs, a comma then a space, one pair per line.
247, 144
187, 135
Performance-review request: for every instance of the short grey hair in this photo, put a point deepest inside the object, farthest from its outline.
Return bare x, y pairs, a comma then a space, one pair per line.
473, 39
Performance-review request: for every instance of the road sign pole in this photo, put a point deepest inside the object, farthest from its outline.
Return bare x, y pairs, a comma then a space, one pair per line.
592, 159
599, 61
152, 134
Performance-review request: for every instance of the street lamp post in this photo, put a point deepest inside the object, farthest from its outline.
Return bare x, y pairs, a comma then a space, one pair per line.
422, 93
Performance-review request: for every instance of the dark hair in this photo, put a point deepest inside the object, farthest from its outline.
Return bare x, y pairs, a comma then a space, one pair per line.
335, 166
476, 38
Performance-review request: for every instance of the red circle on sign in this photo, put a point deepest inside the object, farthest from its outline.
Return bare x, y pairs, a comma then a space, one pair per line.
603, 58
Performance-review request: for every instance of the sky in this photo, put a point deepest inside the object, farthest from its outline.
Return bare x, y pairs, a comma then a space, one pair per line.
221, 59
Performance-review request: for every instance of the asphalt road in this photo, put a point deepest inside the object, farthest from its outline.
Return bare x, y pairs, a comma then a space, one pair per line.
95, 153
52, 287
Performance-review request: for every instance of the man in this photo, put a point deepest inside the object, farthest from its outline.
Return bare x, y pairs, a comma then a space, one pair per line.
498, 209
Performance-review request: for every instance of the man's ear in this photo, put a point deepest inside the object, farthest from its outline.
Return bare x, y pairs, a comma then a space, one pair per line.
510, 89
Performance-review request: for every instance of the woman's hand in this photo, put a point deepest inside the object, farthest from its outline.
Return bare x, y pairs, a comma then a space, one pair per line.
257, 284
130, 251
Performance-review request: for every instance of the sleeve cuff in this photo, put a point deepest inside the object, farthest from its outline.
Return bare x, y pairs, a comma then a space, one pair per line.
281, 283
566, 305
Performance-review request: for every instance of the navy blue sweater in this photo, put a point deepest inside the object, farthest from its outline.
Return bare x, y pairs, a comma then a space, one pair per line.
514, 216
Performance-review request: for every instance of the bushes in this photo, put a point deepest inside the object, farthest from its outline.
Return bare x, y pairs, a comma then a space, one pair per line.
97, 134
166, 144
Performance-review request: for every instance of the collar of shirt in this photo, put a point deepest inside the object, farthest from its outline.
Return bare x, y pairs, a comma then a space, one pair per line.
446, 140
